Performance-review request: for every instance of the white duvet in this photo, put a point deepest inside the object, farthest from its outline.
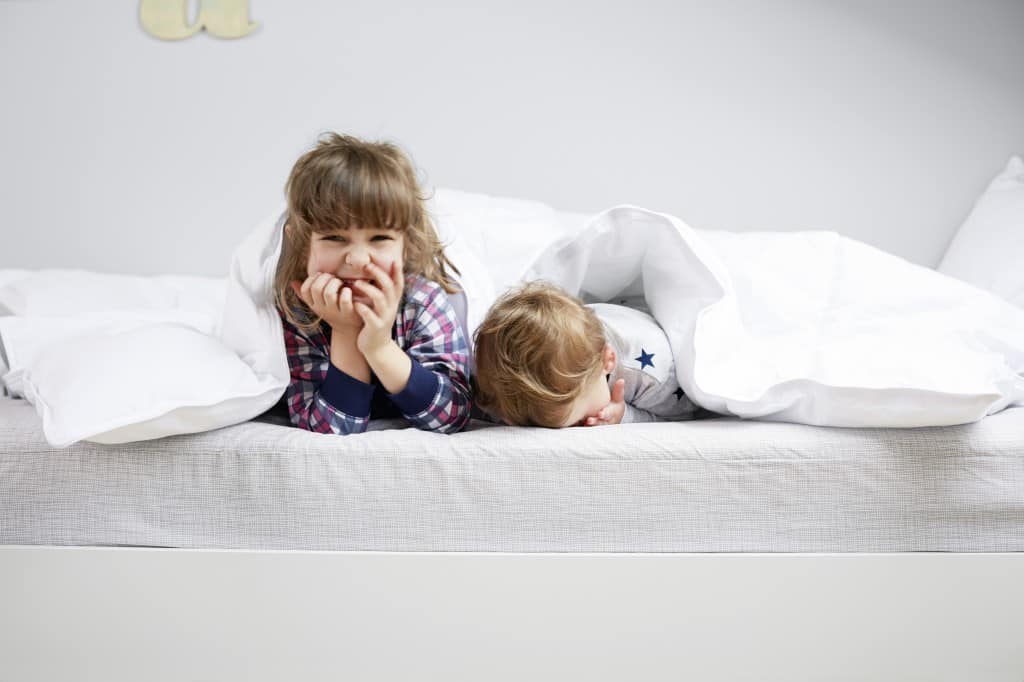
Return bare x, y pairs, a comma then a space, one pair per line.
805, 327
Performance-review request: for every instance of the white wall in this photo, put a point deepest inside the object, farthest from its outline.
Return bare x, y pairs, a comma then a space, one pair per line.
119, 152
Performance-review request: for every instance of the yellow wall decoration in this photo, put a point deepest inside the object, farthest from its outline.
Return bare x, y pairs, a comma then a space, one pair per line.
168, 19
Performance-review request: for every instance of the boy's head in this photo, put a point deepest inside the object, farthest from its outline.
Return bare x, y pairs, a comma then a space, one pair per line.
542, 358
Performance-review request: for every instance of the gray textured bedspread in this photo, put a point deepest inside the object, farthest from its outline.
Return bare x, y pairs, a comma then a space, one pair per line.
712, 485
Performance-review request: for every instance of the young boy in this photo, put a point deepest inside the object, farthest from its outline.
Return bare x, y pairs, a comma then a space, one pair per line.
543, 358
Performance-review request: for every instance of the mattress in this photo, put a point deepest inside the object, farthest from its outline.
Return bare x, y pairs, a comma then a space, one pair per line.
710, 485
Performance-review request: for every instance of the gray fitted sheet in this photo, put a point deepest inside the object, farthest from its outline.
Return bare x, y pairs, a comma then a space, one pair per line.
713, 485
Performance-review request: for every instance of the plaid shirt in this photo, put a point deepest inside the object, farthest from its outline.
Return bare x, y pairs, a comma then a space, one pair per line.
323, 398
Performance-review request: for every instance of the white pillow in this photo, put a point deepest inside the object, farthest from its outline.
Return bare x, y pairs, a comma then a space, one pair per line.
74, 293
148, 382
504, 233
988, 249
491, 240
110, 359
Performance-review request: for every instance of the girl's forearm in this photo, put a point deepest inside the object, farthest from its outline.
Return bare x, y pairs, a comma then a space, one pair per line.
345, 355
392, 366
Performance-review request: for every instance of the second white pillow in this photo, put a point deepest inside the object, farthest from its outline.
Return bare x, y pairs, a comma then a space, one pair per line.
988, 249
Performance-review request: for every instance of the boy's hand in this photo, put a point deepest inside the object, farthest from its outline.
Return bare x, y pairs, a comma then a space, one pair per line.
327, 298
379, 317
613, 411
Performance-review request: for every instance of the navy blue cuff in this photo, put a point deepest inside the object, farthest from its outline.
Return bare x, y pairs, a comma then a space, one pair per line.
346, 393
419, 392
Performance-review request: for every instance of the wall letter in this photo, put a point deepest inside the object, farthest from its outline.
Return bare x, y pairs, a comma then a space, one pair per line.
168, 19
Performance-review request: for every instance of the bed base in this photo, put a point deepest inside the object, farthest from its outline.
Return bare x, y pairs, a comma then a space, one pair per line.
88, 613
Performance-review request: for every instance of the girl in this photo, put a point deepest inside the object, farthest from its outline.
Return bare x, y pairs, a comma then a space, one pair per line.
362, 287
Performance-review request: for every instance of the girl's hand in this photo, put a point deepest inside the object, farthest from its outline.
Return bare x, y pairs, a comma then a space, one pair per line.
613, 411
379, 317
328, 299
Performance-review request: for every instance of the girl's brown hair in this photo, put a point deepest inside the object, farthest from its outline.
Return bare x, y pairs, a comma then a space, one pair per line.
345, 182
536, 351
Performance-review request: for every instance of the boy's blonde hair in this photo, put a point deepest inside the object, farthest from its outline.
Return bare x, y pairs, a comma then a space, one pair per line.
345, 182
536, 352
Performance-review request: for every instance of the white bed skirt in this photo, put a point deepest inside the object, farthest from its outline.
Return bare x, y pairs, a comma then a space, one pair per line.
132, 614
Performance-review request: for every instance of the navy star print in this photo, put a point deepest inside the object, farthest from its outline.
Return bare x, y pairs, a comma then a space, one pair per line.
678, 393
645, 359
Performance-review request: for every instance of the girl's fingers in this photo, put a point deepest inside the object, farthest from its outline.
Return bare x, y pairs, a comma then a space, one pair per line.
375, 294
325, 286
314, 297
391, 281
305, 294
384, 282
345, 299
366, 312
317, 289
331, 292
301, 290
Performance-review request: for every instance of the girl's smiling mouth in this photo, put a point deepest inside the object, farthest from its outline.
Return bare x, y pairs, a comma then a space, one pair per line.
350, 281
359, 294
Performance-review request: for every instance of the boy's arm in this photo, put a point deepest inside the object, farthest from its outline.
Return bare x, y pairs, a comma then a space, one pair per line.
633, 415
652, 399
620, 410
320, 396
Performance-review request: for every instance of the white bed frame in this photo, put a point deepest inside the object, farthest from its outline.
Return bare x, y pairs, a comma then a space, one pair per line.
81, 613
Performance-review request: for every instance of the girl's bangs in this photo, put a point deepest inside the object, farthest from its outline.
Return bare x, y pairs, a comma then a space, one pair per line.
371, 200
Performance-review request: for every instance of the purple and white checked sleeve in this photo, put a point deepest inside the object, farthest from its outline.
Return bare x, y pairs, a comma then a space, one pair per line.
430, 333
308, 407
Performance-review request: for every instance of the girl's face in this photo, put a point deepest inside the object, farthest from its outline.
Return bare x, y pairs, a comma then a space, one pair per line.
345, 254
